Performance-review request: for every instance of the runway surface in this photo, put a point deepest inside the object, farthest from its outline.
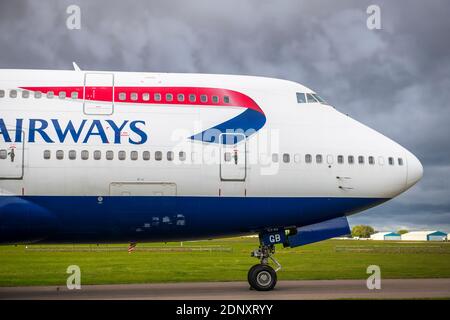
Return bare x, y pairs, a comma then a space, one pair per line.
309, 289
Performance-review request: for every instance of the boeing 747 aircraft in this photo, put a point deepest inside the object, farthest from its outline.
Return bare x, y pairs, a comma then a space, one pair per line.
102, 157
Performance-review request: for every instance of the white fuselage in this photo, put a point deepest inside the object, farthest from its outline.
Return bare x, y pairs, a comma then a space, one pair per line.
301, 150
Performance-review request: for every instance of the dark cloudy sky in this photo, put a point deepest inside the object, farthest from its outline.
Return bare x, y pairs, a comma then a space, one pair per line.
396, 80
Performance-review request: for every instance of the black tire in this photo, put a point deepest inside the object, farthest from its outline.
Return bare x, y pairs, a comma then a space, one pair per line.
250, 272
262, 277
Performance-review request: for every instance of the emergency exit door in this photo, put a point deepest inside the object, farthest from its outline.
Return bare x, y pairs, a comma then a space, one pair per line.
99, 93
11, 156
233, 157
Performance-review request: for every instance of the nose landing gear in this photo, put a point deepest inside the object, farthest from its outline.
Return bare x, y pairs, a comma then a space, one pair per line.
263, 277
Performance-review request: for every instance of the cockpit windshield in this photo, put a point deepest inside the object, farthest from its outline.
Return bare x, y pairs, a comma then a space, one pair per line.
309, 98
318, 98
301, 97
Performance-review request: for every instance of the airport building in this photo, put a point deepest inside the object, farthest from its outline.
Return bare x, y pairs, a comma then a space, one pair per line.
425, 236
385, 236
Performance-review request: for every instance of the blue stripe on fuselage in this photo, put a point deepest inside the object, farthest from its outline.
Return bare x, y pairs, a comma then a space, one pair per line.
162, 218
247, 123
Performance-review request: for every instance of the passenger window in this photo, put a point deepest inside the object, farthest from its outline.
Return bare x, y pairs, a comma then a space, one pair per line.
134, 96
169, 97
215, 99
308, 158
37, 94
310, 97
146, 155
329, 159
400, 161
286, 158
226, 99
122, 96
25, 94
3, 154
59, 154
74, 95
72, 155
146, 96
361, 160
192, 98
296, 158
371, 160
351, 159
319, 158
340, 159
182, 155
2, 93
391, 161
274, 157
13, 94
169, 155
50, 94
180, 97
301, 97
134, 155
97, 155
47, 154
62, 95
203, 98
109, 155
227, 156
381, 161
157, 96
84, 155
158, 155
122, 155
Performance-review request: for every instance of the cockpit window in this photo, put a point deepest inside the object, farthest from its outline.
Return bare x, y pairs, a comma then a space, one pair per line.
311, 98
318, 98
301, 97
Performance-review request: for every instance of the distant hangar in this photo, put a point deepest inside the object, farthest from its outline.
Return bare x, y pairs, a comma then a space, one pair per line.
425, 236
411, 236
386, 236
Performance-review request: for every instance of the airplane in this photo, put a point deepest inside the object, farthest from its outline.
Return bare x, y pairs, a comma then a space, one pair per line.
108, 157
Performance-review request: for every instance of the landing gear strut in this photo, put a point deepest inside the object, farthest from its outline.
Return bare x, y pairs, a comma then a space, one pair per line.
263, 277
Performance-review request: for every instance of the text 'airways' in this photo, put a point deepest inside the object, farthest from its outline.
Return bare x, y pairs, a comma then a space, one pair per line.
51, 131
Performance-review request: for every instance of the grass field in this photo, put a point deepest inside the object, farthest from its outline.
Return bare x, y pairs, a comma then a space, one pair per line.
218, 260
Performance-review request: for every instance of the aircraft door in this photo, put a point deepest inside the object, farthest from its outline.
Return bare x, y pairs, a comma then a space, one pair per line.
341, 172
11, 156
99, 93
233, 157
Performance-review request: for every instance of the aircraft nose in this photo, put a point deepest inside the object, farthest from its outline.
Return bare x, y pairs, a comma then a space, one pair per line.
415, 170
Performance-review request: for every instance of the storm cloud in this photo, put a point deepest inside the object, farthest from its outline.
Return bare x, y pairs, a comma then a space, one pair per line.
396, 80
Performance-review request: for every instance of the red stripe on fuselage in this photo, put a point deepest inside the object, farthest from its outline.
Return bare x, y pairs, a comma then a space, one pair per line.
236, 99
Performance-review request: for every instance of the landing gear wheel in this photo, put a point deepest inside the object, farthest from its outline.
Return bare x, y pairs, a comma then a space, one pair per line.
262, 277
250, 273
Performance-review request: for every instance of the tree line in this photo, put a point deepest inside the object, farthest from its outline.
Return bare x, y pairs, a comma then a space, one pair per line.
364, 231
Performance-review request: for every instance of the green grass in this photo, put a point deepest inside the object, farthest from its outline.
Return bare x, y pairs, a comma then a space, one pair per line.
332, 259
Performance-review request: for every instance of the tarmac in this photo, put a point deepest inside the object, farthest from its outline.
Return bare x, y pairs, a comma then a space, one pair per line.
285, 290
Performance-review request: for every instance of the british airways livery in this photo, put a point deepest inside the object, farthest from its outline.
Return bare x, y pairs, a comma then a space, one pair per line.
95, 157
